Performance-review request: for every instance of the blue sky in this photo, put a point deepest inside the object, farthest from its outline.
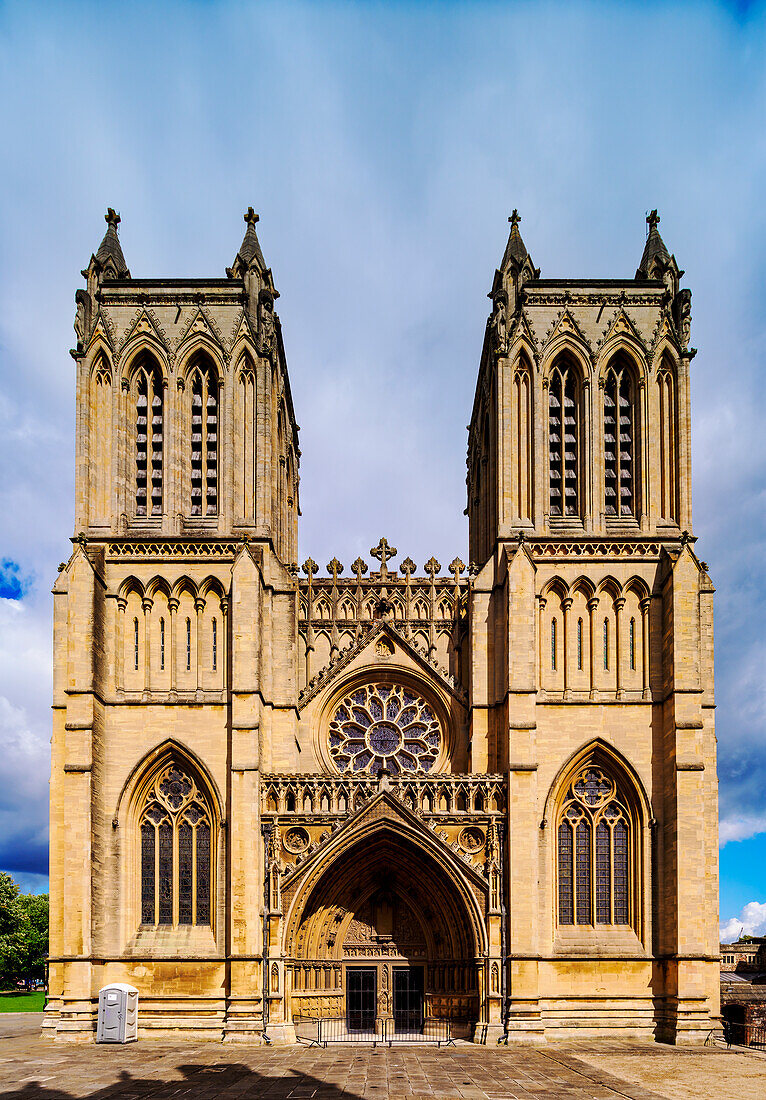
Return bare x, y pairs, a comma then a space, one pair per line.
384, 146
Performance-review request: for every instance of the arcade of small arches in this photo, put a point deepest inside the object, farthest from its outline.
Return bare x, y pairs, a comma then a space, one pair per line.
171, 637
594, 638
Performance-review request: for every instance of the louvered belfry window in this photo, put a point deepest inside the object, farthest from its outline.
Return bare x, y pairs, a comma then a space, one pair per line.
594, 842
176, 851
563, 440
149, 440
204, 441
619, 441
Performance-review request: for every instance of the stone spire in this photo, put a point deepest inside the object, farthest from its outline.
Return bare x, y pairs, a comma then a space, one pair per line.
656, 255
109, 258
515, 250
656, 262
108, 263
250, 250
250, 266
516, 268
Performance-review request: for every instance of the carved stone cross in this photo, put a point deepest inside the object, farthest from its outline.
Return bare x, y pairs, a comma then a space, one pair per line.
432, 567
251, 217
358, 568
111, 218
653, 219
383, 552
334, 568
515, 217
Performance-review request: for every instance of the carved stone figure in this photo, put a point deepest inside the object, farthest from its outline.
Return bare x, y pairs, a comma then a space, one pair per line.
500, 325
684, 316
266, 327
82, 302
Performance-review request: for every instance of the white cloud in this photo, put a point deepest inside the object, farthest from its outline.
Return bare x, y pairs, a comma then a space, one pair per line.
740, 827
750, 922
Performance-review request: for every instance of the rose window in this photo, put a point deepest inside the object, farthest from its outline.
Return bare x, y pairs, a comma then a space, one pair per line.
384, 725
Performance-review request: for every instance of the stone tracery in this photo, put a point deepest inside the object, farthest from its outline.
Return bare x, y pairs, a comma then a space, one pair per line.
384, 725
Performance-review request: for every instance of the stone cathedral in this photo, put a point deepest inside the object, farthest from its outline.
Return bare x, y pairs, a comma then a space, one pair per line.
384, 797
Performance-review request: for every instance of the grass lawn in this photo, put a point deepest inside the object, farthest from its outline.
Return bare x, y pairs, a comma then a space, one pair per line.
22, 1002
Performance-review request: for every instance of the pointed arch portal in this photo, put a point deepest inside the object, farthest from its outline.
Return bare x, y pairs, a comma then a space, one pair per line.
384, 923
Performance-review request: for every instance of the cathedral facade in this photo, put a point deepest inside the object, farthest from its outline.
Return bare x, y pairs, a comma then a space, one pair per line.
391, 797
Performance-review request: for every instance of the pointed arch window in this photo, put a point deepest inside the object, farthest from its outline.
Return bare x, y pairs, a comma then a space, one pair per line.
620, 440
149, 413
204, 439
596, 848
564, 431
176, 830
668, 426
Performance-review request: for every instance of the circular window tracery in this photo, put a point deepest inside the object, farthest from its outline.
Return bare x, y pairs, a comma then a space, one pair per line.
384, 725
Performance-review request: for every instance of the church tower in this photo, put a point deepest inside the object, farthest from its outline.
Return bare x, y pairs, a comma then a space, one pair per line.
591, 631
175, 634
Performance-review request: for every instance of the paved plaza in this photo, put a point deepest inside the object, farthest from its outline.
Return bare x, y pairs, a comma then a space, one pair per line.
34, 1068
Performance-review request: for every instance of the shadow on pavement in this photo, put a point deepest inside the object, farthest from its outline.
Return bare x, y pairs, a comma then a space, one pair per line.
223, 1080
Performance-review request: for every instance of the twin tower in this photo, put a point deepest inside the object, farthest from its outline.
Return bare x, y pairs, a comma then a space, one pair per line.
387, 798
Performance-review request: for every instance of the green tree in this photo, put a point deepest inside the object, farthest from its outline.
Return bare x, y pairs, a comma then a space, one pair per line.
36, 909
13, 922
23, 933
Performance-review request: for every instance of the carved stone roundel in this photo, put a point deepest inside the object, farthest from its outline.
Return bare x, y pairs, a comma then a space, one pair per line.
384, 725
296, 840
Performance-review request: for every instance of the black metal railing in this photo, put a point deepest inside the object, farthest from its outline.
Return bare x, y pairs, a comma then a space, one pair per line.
744, 1035
322, 1030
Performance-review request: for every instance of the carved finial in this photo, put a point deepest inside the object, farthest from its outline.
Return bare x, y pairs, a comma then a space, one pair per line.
408, 567
432, 567
359, 568
310, 567
456, 567
383, 552
515, 217
653, 219
334, 568
111, 218
251, 217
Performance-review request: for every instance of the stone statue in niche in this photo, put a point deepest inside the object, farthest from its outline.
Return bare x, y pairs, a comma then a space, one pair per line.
266, 328
82, 301
684, 316
499, 325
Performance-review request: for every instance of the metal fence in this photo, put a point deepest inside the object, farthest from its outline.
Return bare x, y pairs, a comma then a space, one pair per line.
323, 1030
744, 1035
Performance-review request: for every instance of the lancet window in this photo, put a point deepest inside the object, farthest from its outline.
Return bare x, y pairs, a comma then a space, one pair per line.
149, 414
596, 844
620, 440
564, 439
204, 440
666, 383
177, 844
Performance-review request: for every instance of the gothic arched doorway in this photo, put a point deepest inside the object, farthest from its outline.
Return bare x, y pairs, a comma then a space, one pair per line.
385, 933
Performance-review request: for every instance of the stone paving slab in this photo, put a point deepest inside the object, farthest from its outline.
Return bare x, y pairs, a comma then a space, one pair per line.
35, 1069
